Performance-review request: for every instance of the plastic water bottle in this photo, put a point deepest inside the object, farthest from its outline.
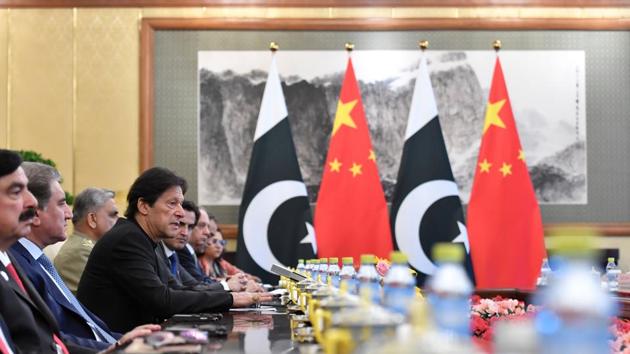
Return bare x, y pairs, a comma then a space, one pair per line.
368, 279
333, 271
545, 272
612, 274
575, 309
300, 267
323, 270
399, 286
449, 292
314, 269
348, 275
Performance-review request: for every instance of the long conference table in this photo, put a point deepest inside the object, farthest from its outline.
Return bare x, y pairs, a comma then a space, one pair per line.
268, 329
259, 331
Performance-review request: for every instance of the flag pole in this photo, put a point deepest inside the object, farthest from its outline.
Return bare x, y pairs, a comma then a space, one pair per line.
423, 44
349, 47
497, 46
273, 47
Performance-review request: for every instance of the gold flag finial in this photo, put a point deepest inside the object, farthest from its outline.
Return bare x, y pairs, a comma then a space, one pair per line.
349, 46
496, 45
273, 46
423, 44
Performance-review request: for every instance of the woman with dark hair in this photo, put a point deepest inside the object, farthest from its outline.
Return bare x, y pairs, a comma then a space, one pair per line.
218, 268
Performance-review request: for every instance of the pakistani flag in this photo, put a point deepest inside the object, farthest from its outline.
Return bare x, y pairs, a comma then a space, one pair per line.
426, 208
274, 220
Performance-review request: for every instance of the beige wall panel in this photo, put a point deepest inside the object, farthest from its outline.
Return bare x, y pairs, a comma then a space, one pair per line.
41, 85
107, 69
4, 132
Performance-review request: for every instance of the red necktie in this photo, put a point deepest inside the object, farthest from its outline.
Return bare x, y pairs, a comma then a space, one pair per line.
17, 279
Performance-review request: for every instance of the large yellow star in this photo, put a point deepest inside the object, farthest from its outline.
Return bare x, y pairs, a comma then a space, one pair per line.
355, 169
492, 115
372, 156
342, 117
485, 166
335, 165
506, 169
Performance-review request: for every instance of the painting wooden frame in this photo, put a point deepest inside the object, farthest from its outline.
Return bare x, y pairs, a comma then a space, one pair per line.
150, 25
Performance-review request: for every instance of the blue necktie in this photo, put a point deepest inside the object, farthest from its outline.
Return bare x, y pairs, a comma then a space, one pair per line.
104, 336
173, 259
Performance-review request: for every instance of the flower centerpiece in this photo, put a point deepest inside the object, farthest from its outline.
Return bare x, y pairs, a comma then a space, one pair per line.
485, 312
620, 329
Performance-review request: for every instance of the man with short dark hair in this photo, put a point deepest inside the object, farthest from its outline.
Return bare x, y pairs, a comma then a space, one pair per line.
123, 281
168, 253
49, 227
31, 326
94, 213
197, 245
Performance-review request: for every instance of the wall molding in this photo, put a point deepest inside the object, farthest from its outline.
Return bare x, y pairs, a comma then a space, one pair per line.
310, 3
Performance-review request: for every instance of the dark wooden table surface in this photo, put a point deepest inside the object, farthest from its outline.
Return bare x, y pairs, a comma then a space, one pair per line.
258, 332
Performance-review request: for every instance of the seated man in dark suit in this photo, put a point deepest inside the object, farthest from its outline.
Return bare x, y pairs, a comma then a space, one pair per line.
169, 250
76, 323
123, 281
6, 344
32, 327
197, 244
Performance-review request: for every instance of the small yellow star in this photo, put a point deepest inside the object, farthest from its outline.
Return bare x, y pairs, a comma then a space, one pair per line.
492, 115
355, 169
506, 169
372, 155
342, 117
521, 155
485, 166
335, 165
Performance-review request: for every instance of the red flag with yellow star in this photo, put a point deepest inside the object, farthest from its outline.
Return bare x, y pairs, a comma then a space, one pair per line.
504, 223
351, 213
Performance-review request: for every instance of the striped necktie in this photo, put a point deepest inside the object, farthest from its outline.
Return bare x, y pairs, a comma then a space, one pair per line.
102, 335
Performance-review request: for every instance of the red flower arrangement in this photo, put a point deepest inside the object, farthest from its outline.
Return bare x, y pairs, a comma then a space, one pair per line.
486, 312
621, 332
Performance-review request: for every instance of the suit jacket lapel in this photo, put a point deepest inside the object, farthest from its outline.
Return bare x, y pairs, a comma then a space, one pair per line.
35, 300
57, 295
15, 287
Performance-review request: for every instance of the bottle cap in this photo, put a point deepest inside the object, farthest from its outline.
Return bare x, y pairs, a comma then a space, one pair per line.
611, 259
300, 261
448, 252
333, 260
347, 260
323, 260
315, 261
398, 257
368, 259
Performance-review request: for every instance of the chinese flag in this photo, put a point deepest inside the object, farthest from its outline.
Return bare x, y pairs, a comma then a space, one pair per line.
351, 213
504, 223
